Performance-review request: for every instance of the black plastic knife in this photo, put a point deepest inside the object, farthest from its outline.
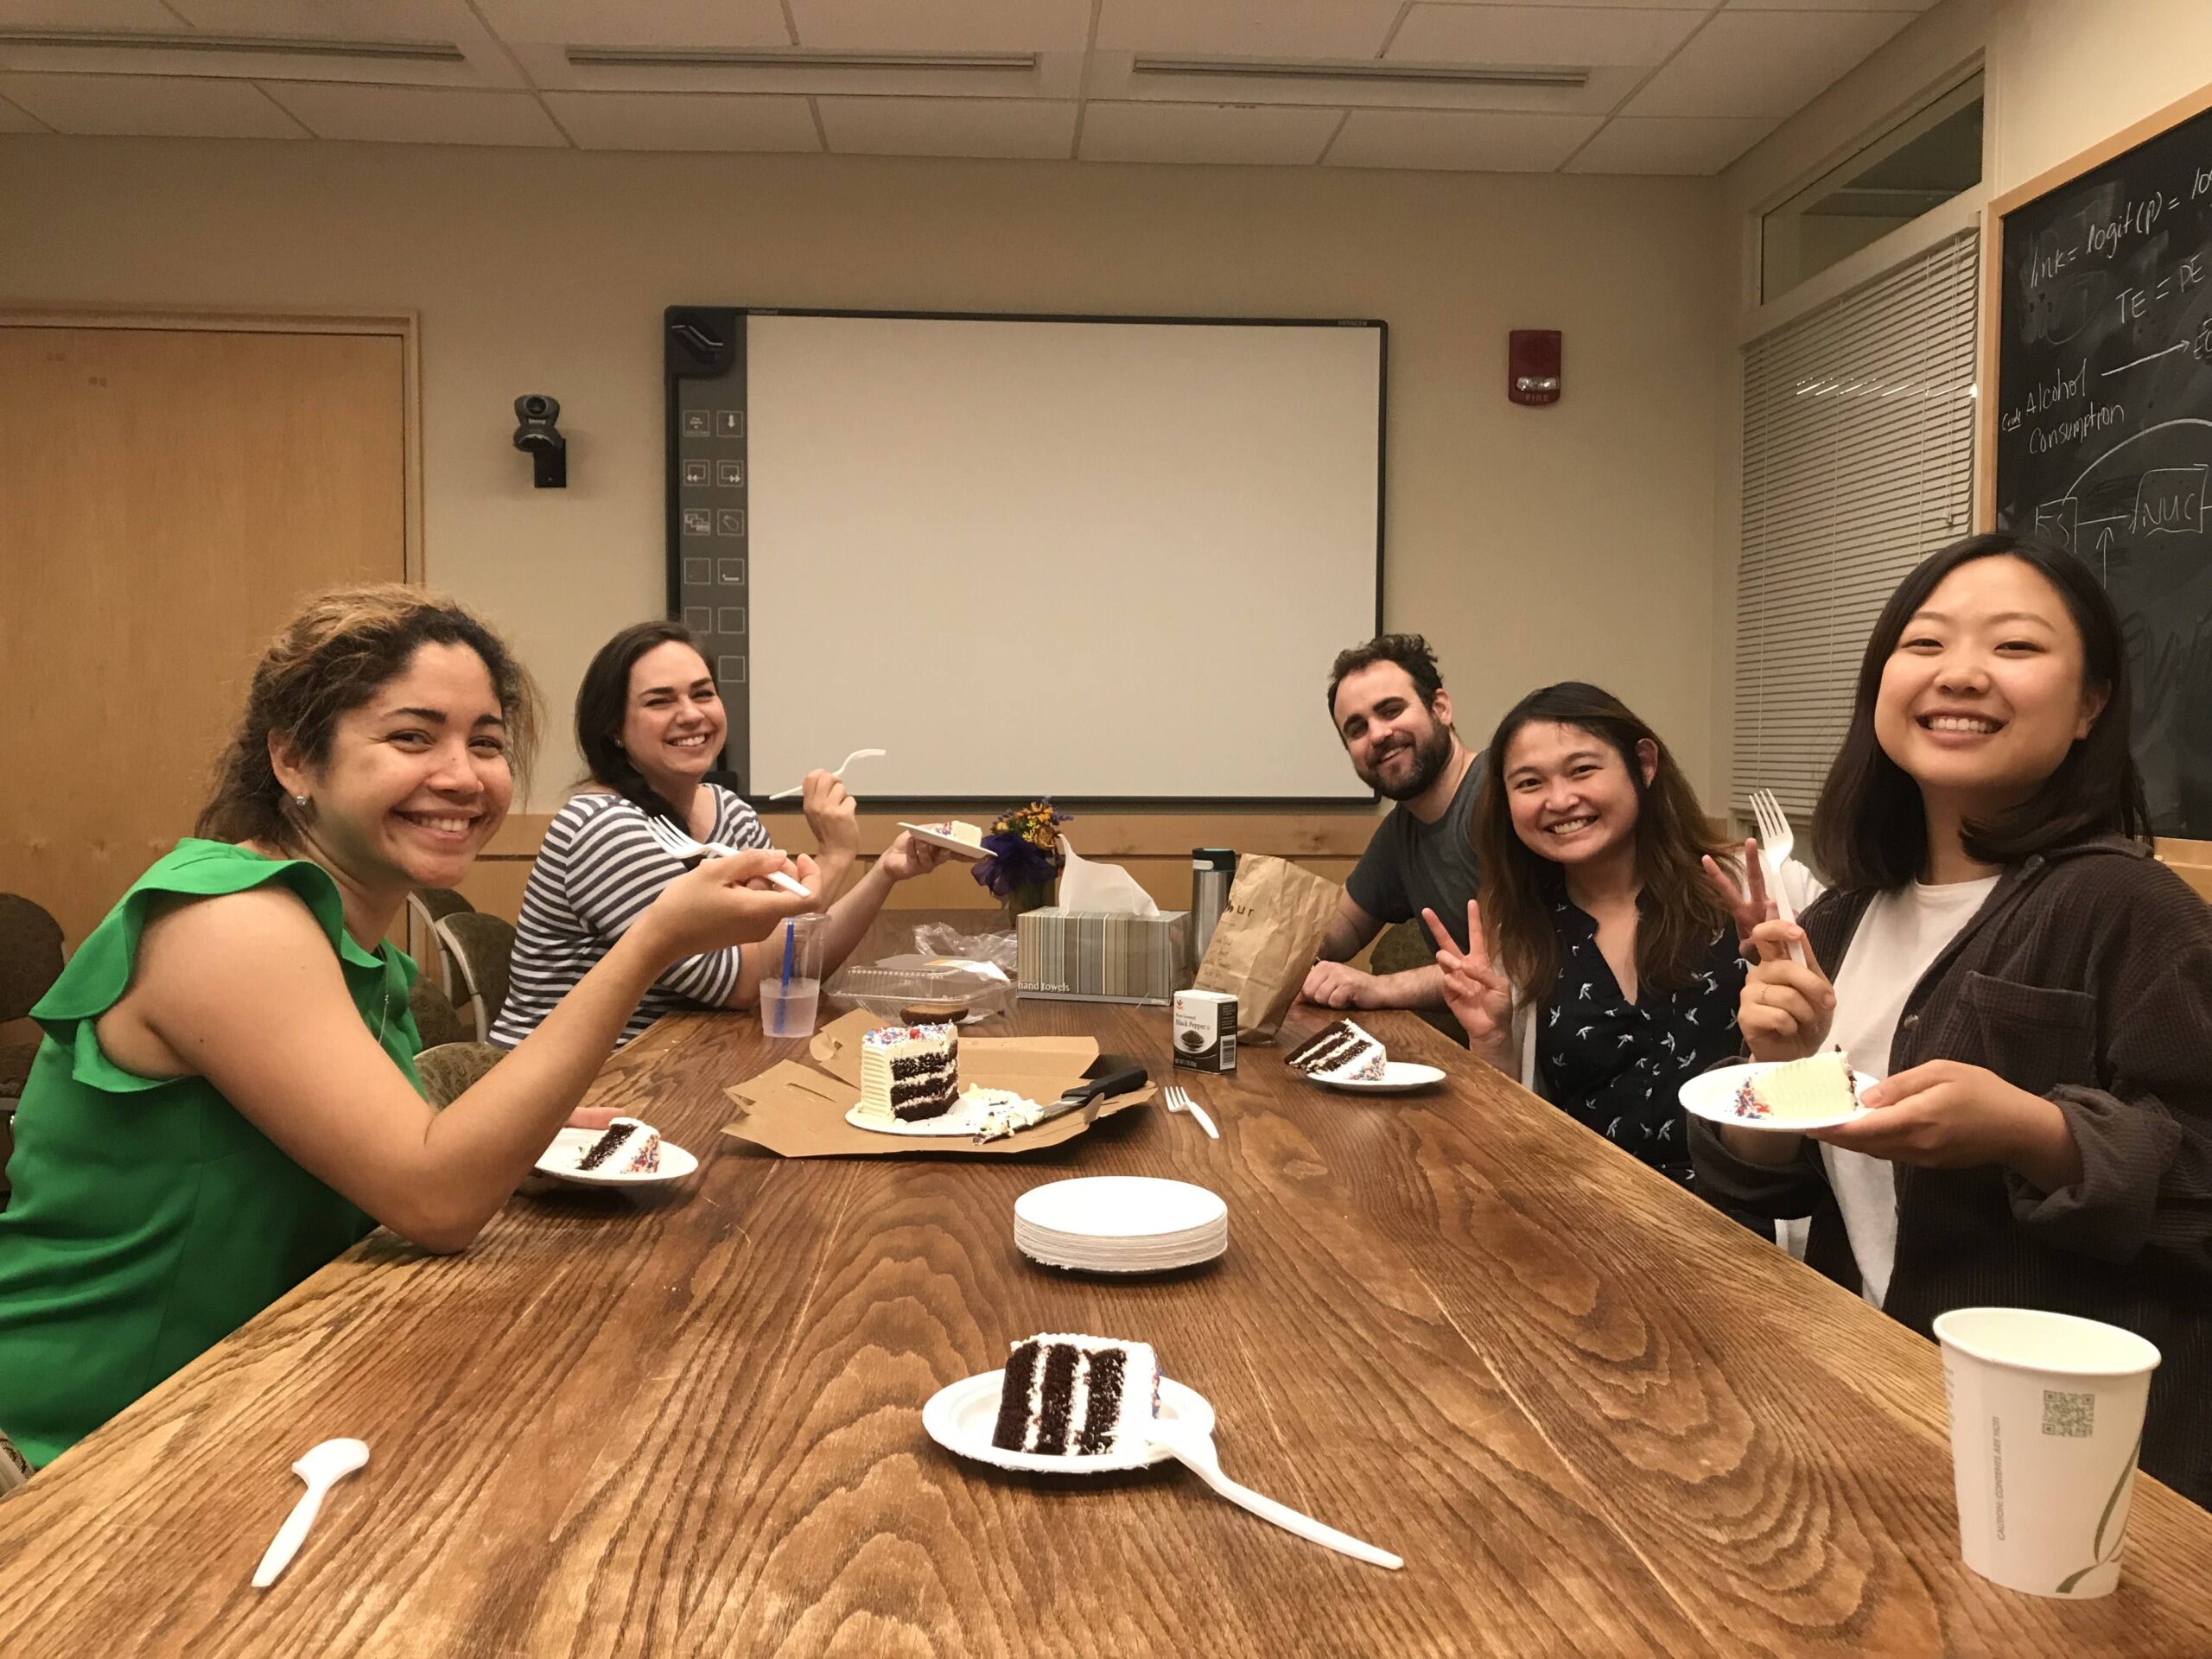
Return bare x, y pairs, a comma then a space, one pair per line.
1107, 1076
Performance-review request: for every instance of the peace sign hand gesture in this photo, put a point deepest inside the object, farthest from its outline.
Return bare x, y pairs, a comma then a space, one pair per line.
1479, 996
1748, 905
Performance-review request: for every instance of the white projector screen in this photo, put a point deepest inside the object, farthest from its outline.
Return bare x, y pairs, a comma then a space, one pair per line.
1094, 559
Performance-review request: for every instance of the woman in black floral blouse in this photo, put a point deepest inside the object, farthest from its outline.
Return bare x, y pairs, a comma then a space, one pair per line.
1605, 967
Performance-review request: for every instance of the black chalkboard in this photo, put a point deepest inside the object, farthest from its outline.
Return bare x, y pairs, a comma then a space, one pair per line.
2104, 425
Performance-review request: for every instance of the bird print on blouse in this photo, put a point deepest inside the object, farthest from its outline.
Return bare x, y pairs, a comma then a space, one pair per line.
1617, 1066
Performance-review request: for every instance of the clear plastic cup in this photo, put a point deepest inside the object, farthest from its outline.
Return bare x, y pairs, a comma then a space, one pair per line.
791, 978
2046, 1420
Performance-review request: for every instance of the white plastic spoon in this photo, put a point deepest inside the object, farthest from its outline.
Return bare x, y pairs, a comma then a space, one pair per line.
1195, 1453
857, 754
322, 1467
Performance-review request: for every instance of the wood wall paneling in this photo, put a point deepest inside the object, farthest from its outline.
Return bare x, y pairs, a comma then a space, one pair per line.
1154, 847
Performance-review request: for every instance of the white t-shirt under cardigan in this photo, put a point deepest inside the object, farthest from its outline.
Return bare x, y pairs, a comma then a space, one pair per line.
1901, 935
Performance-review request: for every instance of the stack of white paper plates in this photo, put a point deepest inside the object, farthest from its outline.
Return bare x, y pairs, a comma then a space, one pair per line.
1120, 1224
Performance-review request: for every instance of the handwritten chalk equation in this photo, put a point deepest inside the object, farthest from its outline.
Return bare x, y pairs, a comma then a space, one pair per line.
2136, 303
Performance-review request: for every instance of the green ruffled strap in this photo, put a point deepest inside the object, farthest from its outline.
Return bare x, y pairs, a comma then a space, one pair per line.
100, 972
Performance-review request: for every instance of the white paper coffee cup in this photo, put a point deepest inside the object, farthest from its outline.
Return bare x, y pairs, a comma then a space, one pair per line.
2046, 1420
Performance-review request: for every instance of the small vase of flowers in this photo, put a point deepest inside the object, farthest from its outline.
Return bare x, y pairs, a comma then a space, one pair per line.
1023, 857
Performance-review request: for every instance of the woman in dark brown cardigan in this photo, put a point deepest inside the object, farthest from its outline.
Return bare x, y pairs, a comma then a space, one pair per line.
2033, 988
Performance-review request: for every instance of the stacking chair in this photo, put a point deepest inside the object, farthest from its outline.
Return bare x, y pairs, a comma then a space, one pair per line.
1401, 946
14, 1471
31, 961
436, 1020
450, 1068
429, 906
481, 947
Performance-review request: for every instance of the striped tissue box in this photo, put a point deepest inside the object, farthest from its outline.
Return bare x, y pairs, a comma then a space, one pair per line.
1089, 956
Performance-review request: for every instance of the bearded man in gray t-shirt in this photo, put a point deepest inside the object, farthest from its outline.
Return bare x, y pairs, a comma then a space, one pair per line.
1388, 701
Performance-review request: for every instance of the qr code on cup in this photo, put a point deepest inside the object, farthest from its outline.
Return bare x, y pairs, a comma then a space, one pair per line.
2074, 1416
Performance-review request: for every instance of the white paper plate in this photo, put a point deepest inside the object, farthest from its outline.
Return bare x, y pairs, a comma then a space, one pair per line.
957, 849
1399, 1078
560, 1162
1134, 1207
1712, 1095
960, 1417
1080, 1262
1025, 1235
965, 1117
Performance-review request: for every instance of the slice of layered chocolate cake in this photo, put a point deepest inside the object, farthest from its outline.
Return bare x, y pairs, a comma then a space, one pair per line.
1076, 1397
1339, 1051
627, 1148
909, 1072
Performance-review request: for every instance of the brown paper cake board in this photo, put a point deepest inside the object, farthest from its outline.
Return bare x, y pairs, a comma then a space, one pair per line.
798, 1110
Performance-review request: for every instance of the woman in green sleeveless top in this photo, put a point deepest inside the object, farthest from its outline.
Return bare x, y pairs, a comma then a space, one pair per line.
224, 1098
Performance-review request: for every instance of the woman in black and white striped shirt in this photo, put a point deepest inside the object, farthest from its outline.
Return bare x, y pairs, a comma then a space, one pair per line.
650, 723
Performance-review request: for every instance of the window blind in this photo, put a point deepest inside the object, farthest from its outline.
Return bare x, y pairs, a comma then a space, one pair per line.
1858, 462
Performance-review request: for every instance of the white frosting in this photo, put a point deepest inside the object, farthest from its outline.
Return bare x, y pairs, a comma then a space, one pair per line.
960, 830
1818, 1086
1003, 1111
880, 1048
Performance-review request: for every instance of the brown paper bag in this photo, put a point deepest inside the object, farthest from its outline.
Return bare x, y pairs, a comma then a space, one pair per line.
1268, 937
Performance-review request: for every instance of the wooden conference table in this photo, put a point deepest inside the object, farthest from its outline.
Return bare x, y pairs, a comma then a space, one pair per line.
1595, 1417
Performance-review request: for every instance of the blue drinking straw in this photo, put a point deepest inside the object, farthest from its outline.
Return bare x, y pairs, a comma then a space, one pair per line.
790, 939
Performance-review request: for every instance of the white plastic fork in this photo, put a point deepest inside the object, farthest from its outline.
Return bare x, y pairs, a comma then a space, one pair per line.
1179, 1100
674, 841
1776, 842
857, 754
1195, 1453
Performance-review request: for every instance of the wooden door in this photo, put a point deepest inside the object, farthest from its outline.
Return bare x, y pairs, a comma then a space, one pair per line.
166, 499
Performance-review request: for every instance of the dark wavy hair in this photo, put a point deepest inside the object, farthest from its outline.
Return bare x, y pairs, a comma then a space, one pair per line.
1408, 651
1871, 828
603, 704
1681, 914
336, 653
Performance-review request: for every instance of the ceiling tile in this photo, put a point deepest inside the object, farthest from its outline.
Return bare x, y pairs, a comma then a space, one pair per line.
1830, 5
149, 106
1248, 29
1687, 145
1241, 133
675, 23
1539, 35
1483, 143
88, 14
417, 115
1771, 63
15, 118
446, 23
317, 20
1701, 7
1015, 129
731, 121
942, 25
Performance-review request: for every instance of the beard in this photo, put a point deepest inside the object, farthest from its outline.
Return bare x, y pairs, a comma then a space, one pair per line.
1431, 754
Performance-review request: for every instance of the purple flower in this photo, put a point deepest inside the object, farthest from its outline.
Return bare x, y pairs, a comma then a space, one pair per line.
1013, 862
